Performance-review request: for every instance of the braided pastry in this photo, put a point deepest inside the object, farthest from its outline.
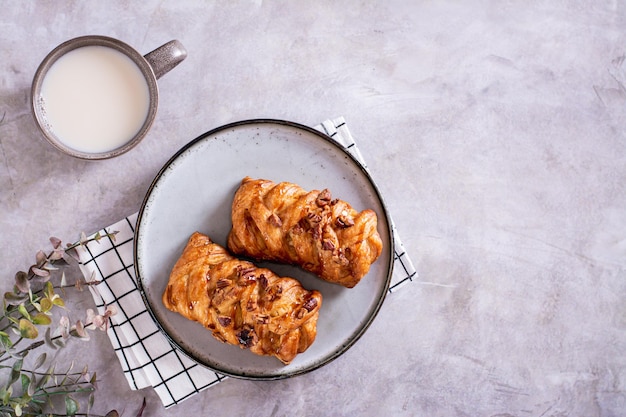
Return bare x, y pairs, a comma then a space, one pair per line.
241, 304
284, 223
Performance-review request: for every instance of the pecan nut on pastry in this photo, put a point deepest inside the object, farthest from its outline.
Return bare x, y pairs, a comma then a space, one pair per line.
241, 304
282, 222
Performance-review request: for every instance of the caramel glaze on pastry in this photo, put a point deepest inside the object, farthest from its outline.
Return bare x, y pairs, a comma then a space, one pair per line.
241, 304
284, 223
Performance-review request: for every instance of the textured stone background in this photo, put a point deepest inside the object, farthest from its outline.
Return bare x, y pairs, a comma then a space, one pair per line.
495, 131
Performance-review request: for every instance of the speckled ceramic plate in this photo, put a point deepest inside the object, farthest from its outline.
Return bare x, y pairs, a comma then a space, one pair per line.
194, 191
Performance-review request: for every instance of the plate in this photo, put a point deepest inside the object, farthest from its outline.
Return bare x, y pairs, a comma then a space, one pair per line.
194, 191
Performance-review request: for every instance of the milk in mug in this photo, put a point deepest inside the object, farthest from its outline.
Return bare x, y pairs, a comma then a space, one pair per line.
95, 99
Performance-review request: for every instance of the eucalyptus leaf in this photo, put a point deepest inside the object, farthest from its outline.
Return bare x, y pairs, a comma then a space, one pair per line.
13, 299
40, 257
36, 279
45, 304
41, 359
25, 382
63, 381
28, 329
71, 406
65, 260
21, 281
71, 255
40, 272
42, 319
16, 371
50, 267
48, 290
32, 386
17, 365
27, 307
79, 330
22, 309
48, 339
4, 395
56, 242
43, 381
6, 342
33, 297
56, 255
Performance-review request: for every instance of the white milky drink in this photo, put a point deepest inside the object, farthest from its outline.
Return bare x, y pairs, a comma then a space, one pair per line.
95, 99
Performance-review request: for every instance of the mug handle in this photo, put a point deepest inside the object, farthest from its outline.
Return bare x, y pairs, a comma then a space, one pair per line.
166, 57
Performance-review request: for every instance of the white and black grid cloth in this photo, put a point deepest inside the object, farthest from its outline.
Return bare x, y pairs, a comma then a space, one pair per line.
146, 355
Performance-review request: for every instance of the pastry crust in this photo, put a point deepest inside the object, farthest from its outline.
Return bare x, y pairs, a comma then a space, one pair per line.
241, 304
284, 223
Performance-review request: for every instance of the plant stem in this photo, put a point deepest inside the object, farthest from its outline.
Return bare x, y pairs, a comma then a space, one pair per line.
55, 374
65, 415
74, 284
74, 245
79, 243
40, 265
45, 392
29, 308
26, 349
38, 343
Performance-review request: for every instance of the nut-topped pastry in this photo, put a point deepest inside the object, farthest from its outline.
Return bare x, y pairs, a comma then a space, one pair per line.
241, 304
284, 223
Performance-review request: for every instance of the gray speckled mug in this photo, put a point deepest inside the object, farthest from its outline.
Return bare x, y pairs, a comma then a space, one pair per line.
95, 97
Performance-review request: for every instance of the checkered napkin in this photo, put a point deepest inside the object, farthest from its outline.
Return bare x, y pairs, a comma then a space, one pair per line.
147, 357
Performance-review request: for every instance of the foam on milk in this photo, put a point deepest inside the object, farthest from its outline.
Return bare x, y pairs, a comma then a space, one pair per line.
95, 99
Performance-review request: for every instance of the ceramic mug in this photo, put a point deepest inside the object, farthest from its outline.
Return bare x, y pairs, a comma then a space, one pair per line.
95, 97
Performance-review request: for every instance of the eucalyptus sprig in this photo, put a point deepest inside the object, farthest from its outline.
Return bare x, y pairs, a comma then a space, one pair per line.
36, 389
